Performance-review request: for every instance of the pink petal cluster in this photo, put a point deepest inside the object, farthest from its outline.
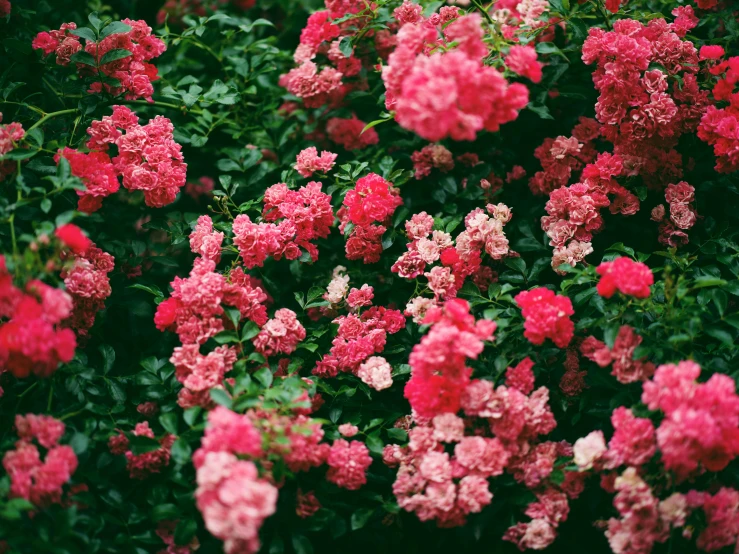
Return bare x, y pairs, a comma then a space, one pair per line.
32, 339
133, 72
718, 125
358, 338
141, 466
204, 241
563, 157
700, 430
439, 374
350, 134
574, 212
347, 464
546, 316
433, 156
483, 234
10, 134
369, 206
308, 161
523, 61
625, 276
625, 368
499, 432
681, 217
148, 160
195, 309
304, 215
39, 481
88, 283
644, 113
280, 335
376, 372
234, 500
450, 94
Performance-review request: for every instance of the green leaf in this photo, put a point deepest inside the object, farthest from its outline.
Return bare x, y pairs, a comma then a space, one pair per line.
707, 281
264, 376
345, 46
114, 28
397, 434
84, 58
360, 518
302, 544
732, 287
46, 205
85, 33
148, 288
185, 531
720, 335
374, 443
114, 55
550, 48
540, 109
181, 451
165, 511
221, 397
169, 422
249, 331
95, 20
108, 355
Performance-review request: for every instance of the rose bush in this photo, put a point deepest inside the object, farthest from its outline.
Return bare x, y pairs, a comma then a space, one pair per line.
385, 276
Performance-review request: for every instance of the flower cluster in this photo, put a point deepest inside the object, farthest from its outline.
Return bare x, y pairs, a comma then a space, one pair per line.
546, 316
625, 276
148, 160
87, 282
359, 337
574, 211
700, 430
642, 109
308, 161
32, 337
444, 471
304, 215
369, 206
718, 125
682, 214
562, 157
120, 59
625, 368
40, 482
459, 258
10, 134
233, 500
433, 156
141, 466
439, 373
195, 311
451, 93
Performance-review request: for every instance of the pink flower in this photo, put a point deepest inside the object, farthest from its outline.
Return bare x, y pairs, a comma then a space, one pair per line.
625, 275
280, 335
348, 430
360, 297
546, 315
376, 373
521, 377
348, 463
589, 450
522, 60
308, 161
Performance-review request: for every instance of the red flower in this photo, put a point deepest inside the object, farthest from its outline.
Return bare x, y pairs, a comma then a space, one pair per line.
73, 237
